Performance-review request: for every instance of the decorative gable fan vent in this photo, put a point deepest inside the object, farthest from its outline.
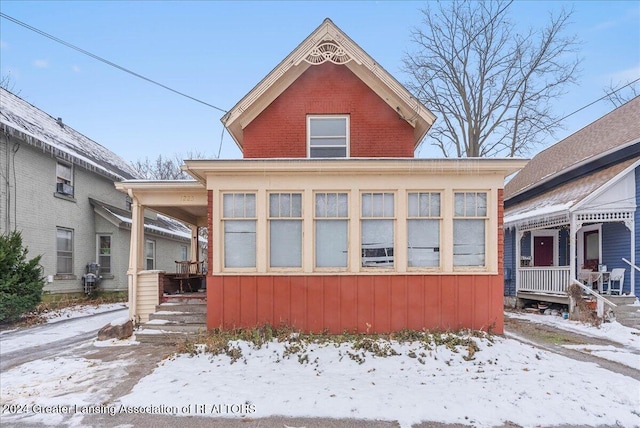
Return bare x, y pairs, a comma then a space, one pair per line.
328, 51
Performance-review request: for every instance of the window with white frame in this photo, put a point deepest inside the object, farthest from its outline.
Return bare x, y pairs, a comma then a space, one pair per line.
184, 252
328, 136
285, 230
64, 251
423, 229
64, 178
469, 226
150, 254
331, 224
104, 253
239, 218
377, 221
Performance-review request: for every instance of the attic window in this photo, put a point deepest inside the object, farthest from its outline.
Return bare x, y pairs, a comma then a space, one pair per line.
328, 136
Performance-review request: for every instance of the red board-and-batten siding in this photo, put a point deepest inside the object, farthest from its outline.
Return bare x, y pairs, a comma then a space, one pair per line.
363, 303
376, 130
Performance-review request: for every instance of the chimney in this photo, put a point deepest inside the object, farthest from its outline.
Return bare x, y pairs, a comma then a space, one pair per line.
59, 121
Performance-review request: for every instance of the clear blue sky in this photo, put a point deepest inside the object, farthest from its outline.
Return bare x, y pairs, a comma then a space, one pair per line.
217, 51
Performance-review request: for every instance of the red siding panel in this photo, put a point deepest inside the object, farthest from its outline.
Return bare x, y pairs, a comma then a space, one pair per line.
265, 300
349, 303
248, 296
415, 302
281, 299
315, 304
381, 303
399, 304
331, 286
364, 303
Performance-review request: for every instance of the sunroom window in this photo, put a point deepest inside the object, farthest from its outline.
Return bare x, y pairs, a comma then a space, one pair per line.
331, 222
377, 237
239, 218
285, 230
423, 227
328, 136
469, 225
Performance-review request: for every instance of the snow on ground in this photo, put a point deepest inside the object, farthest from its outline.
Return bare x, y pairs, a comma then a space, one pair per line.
47, 333
69, 383
80, 311
505, 380
613, 331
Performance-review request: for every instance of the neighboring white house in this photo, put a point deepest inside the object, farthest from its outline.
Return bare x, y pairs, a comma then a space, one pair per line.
57, 189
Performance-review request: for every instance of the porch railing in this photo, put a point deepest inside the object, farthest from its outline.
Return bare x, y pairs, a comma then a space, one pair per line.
601, 300
552, 280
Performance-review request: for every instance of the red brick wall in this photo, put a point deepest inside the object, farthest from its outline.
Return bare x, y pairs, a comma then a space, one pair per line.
375, 128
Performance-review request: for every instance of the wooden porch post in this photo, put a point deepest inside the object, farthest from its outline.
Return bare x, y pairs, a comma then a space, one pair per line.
195, 244
632, 228
136, 253
572, 246
518, 242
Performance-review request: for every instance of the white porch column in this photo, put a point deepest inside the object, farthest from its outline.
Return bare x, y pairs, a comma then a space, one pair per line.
518, 242
195, 244
632, 228
136, 253
572, 246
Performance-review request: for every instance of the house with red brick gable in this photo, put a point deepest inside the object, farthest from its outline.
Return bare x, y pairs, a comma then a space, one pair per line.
329, 222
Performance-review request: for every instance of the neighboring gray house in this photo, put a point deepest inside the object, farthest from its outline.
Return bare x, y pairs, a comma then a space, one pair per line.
572, 212
57, 189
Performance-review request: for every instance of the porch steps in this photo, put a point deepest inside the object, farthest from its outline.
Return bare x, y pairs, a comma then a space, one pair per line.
174, 322
628, 315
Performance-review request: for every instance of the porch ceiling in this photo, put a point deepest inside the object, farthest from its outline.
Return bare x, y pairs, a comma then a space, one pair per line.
183, 200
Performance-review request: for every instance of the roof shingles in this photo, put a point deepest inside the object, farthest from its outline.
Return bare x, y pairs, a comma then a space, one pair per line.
613, 130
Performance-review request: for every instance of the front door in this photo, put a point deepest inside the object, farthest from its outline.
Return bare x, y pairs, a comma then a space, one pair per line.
591, 249
543, 251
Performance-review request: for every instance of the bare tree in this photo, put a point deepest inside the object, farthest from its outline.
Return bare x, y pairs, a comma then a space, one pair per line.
166, 168
490, 85
6, 82
622, 92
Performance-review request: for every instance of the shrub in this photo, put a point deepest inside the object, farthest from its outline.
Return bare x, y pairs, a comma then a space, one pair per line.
21, 280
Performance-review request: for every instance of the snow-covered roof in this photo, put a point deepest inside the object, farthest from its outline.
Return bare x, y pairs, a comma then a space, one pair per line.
557, 202
22, 120
161, 225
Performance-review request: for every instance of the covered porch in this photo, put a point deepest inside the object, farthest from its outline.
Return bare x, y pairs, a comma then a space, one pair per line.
553, 251
185, 201
581, 231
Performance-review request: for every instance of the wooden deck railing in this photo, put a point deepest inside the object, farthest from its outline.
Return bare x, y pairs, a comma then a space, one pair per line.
552, 280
